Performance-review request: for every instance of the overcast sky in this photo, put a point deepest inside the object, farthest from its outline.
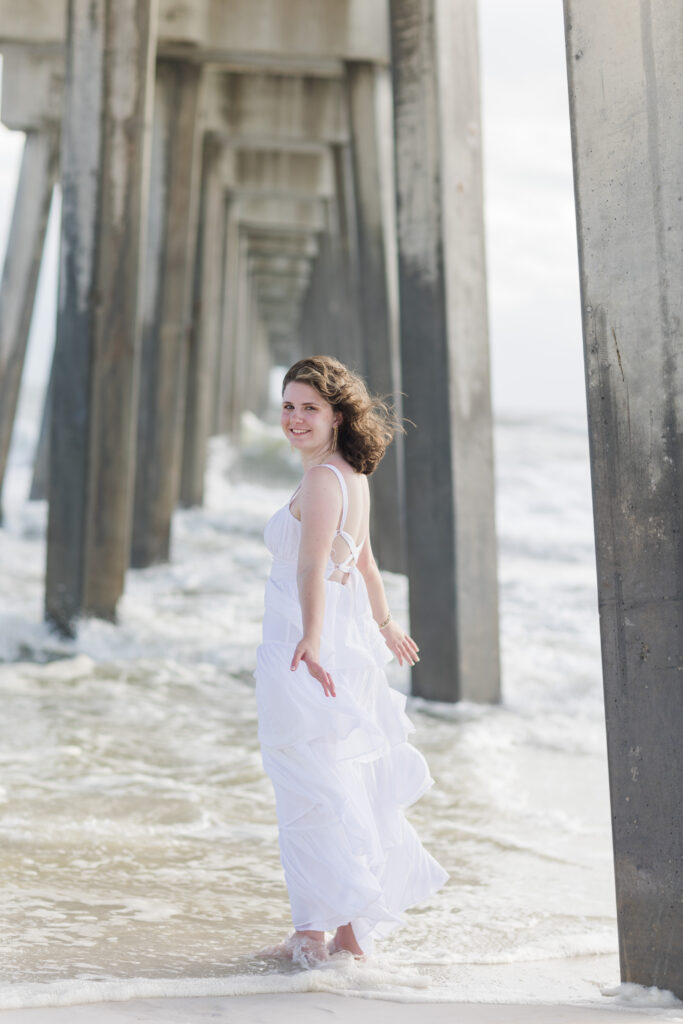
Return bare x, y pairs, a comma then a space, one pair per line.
537, 355
536, 351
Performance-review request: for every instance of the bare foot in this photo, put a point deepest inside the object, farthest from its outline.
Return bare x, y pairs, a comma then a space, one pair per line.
308, 948
304, 948
345, 939
279, 949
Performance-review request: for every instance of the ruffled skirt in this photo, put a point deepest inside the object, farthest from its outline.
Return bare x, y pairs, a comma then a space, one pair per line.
342, 769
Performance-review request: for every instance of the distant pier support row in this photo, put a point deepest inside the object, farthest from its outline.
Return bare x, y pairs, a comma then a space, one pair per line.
626, 97
231, 176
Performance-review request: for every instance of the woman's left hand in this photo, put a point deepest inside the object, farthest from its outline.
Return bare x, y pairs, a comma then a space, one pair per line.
400, 644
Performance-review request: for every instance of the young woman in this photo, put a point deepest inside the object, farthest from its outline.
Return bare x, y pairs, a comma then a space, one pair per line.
333, 733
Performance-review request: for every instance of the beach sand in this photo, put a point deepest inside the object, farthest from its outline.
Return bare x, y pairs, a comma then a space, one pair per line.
313, 1008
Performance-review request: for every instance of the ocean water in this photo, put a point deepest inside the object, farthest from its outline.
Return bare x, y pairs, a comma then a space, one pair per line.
138, 844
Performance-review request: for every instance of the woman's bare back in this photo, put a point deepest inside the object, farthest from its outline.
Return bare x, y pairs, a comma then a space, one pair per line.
357, 518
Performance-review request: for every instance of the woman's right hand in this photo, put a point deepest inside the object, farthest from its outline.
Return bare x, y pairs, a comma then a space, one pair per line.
307, 652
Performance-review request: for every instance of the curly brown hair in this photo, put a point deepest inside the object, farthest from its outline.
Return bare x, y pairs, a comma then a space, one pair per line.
368, 422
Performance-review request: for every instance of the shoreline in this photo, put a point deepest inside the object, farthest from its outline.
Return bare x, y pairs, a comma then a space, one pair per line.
313, 1007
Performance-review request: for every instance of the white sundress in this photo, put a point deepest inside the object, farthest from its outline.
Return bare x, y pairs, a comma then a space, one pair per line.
341, 767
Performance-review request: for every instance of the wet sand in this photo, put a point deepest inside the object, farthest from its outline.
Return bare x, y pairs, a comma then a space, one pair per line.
312, 1008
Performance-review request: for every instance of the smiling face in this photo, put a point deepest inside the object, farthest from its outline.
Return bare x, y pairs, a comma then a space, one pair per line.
307, 420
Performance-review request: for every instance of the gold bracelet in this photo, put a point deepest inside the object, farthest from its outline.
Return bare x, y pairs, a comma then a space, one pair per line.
386, 621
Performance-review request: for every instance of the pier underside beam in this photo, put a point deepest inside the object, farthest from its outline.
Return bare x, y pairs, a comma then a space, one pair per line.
288, 34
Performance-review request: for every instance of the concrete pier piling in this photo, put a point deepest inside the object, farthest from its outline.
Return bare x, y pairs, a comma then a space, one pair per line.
241, 332
174, 197
347, 256
380, 357
227, 313
105, 139
204, 335
25, 244
41, 461
626, 98
451, 539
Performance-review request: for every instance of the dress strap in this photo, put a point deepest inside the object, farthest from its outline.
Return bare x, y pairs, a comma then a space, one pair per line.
289, 503
345, 493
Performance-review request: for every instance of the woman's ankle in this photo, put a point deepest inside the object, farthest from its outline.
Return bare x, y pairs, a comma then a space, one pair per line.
345, 938
315, 936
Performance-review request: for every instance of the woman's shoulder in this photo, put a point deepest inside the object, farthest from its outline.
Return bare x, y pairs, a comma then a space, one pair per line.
317, 479
342, 466
322, 479
345, 468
